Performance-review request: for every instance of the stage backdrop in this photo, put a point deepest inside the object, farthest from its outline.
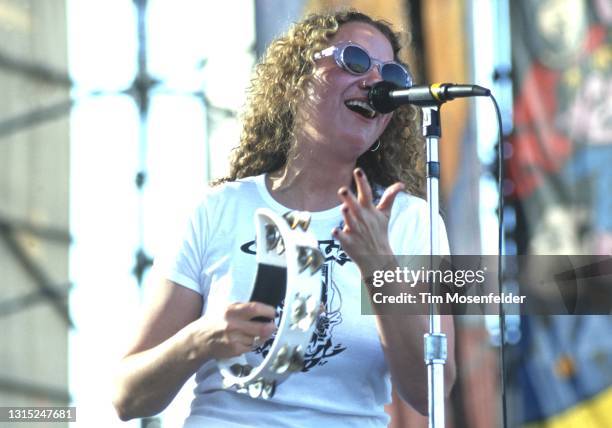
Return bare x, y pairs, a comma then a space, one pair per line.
561, 174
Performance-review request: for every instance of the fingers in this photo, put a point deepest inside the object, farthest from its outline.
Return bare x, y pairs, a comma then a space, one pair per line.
246, 340
342, 236
233, 335
242, 339
352, 206
238, 343
239, 319
249, 310
364, 191
349, 200
252, 328
351, 210
349, 218
364, 194
386, 201
365, 225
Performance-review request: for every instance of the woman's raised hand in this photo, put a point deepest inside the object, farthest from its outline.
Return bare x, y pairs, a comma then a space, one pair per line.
364, 236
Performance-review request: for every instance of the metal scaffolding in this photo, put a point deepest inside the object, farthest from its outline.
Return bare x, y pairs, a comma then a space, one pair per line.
47, 291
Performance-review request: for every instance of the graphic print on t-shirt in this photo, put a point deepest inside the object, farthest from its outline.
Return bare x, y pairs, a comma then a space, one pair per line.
322, 345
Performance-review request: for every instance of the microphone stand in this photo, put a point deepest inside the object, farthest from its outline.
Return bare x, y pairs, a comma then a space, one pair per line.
435, 341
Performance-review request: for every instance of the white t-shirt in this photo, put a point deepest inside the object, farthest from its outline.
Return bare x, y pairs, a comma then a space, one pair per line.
346, 380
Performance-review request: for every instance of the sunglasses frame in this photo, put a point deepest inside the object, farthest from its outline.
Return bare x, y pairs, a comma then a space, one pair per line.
337, 51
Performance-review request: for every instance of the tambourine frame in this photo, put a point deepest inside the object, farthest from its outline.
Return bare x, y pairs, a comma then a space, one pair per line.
284, 246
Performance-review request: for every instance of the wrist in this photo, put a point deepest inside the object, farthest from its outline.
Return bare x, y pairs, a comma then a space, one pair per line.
377, 263
191, 342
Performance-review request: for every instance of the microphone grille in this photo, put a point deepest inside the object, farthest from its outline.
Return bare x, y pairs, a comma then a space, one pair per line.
379, 98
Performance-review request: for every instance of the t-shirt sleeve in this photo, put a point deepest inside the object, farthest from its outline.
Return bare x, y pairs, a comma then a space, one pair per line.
183, 262
409, 227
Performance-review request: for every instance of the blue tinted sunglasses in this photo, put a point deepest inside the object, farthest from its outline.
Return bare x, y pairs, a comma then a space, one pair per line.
353, 58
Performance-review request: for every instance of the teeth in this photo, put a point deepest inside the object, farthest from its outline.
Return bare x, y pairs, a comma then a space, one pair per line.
361, 107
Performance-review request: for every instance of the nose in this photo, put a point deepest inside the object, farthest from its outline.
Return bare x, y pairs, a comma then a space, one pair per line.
373, 75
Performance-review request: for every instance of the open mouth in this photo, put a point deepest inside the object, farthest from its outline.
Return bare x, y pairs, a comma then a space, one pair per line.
361, 107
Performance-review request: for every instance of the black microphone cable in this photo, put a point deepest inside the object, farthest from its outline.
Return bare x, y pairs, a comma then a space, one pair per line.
500, 236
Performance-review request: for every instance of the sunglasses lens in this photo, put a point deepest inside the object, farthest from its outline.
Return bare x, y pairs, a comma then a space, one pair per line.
356, 59
397, 75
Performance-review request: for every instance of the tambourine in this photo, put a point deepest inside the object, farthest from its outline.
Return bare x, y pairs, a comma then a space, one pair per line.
288, 259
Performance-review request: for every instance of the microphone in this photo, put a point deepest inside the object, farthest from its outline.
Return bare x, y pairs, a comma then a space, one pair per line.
384, 97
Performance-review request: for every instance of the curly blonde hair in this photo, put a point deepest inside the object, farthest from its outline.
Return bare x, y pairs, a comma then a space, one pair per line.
278, 84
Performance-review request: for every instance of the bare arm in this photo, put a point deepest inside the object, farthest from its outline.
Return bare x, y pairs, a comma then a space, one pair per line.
364, 237
174, 342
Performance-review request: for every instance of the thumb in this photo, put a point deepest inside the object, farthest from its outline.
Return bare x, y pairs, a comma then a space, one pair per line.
386, 201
